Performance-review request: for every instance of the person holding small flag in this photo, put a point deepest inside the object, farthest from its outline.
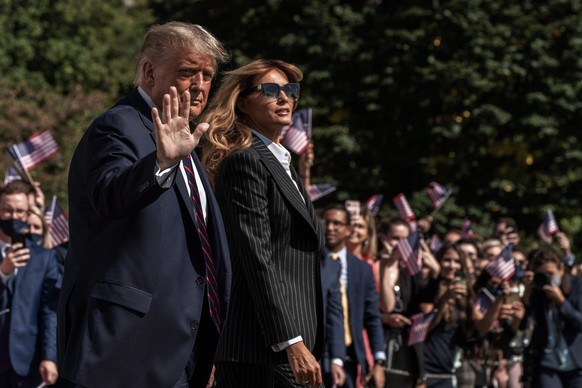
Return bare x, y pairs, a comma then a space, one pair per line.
452, 299
399, 294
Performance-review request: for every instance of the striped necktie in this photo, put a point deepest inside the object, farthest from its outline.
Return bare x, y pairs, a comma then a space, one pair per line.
212, 284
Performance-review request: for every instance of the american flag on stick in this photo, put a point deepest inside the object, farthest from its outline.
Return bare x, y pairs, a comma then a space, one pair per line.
410, 253
404, 209
419, 328
317, 191
503, 266
11, 175
34, 150
467, 228
438, 194
373, 203
548, 227
485, 300
435, 243
296, 136
57, 223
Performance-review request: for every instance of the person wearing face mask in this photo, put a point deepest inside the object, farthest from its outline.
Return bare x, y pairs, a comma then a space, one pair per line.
38, 230
554, 303
28, 298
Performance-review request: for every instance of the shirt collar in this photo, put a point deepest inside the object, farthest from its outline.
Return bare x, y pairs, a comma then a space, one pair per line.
280, 152
146, 97
342, 253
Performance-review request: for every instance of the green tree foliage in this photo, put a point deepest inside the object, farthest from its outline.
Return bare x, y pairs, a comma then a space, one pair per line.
61, 63
481, 96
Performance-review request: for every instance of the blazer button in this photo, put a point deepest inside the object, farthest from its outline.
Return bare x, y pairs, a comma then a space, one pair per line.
194, 325
200, 280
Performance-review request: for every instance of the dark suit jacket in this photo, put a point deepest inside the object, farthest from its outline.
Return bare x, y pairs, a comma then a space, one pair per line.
28, 333
134, 282
570, 316
364, 306
332, 312
276, 244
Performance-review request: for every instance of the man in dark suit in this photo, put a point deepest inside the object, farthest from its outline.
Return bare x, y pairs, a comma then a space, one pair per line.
28, 298
361, 303
334, 348
147, 274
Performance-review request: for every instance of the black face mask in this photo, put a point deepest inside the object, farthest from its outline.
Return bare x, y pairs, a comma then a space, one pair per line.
13, 226
35, 238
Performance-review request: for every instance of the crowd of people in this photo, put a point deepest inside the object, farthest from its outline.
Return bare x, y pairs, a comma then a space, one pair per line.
485, 330
212, 268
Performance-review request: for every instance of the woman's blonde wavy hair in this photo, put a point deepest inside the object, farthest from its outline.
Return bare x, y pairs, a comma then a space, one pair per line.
228, 130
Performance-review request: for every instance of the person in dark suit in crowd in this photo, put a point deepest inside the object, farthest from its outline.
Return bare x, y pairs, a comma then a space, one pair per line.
361, 303
147, 275
28, 298
335, 349
554, 301
274, 334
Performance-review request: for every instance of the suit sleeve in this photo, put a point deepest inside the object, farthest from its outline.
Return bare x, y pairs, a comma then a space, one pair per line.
571, 312
120, 176
48, 310
242, 192
335, 319
372, 319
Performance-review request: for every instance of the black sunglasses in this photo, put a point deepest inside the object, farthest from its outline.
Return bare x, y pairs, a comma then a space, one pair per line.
273, 90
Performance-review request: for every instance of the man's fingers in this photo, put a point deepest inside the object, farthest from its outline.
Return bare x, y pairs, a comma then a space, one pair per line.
186, 105
174, 103
200, 129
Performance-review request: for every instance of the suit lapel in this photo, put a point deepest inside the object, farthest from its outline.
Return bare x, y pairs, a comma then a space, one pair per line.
288, 189
145, 113
315, 221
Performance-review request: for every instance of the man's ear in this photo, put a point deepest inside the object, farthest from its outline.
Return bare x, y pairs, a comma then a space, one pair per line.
148, 73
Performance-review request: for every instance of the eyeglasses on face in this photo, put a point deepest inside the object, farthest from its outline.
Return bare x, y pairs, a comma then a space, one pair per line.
335, 223
273, 90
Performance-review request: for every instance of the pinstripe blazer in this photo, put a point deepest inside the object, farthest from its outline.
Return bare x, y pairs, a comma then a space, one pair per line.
276, 243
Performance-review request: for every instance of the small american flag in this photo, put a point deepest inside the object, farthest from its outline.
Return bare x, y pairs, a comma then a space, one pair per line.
11, 175
410, 254
467, 228
503, 266
485, 300
548, 227
419, 328
320, 190
34, 150
373, 203
57, 223
435, 243
404, 209
438, 194
296, 136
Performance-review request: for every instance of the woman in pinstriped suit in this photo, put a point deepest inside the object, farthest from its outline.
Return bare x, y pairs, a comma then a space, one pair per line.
273, 336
